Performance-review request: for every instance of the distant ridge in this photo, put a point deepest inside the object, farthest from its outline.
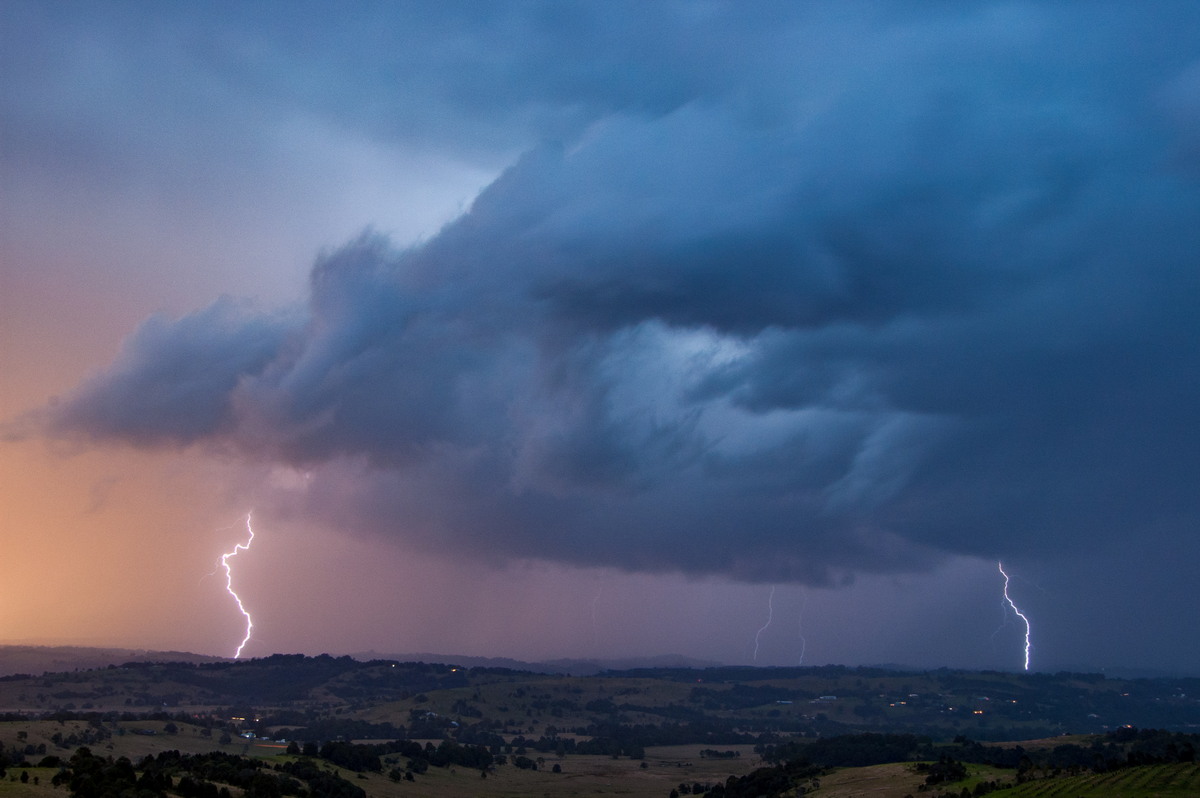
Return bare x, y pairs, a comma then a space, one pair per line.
570, 667
37, 660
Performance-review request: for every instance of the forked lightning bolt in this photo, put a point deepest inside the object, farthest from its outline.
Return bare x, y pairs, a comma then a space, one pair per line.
1018, 613
770, 614
229, 584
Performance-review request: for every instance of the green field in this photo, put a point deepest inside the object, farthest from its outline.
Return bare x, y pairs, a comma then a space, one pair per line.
1147, 781
11, 786
631, 733
666, 767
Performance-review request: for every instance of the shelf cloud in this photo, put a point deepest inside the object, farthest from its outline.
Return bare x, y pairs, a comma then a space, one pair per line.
854, 294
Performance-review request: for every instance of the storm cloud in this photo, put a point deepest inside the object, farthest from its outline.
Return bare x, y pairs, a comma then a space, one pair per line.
863, 290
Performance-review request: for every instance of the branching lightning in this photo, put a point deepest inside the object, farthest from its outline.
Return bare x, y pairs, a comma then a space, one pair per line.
229, 584
770, 614
1016, 611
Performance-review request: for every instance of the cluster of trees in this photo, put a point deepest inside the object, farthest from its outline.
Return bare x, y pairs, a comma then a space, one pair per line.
368, 757
322, 783
713, 731
850, 750
795, 762
333, 729
95, 733
445, 754
795, 777
282, 678
352, 756
743, 696
88, 775
9, 759
797, 766
1127, 747
943, 771
14, 757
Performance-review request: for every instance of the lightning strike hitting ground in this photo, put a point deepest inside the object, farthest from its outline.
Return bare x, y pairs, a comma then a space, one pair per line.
800, 624
595, 628
229, 584
1018, 613
770, 614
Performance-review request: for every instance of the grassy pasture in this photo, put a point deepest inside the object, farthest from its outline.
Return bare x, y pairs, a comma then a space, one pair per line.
583, 775
877, 781
134, 746
1147, 781
666, 767
11, 786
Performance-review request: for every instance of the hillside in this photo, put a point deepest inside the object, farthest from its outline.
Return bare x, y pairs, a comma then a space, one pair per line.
646, 731
733, 703
36, 660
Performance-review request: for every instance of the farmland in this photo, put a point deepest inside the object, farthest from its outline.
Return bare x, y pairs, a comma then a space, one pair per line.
391, 728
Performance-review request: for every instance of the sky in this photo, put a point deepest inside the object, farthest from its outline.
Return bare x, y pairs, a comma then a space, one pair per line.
756, 333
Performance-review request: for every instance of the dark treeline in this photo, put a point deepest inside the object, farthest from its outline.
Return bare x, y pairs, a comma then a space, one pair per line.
297, 692
197, 776
796, 763
369, 756
1121, 748
343, 729
851, 750
749, 673
632, 739
787, 777
282, 678
797, 766
1118, 749
744, 696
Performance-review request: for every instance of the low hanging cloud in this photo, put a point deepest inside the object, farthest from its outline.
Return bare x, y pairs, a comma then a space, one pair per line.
938, 299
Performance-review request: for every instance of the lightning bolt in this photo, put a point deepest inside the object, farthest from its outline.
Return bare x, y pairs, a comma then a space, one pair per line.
770, 614
1018, 613
595, 629
229, 584
800, 631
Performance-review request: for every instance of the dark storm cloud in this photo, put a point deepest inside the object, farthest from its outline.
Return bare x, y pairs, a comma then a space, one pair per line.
859, 290
174, 380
